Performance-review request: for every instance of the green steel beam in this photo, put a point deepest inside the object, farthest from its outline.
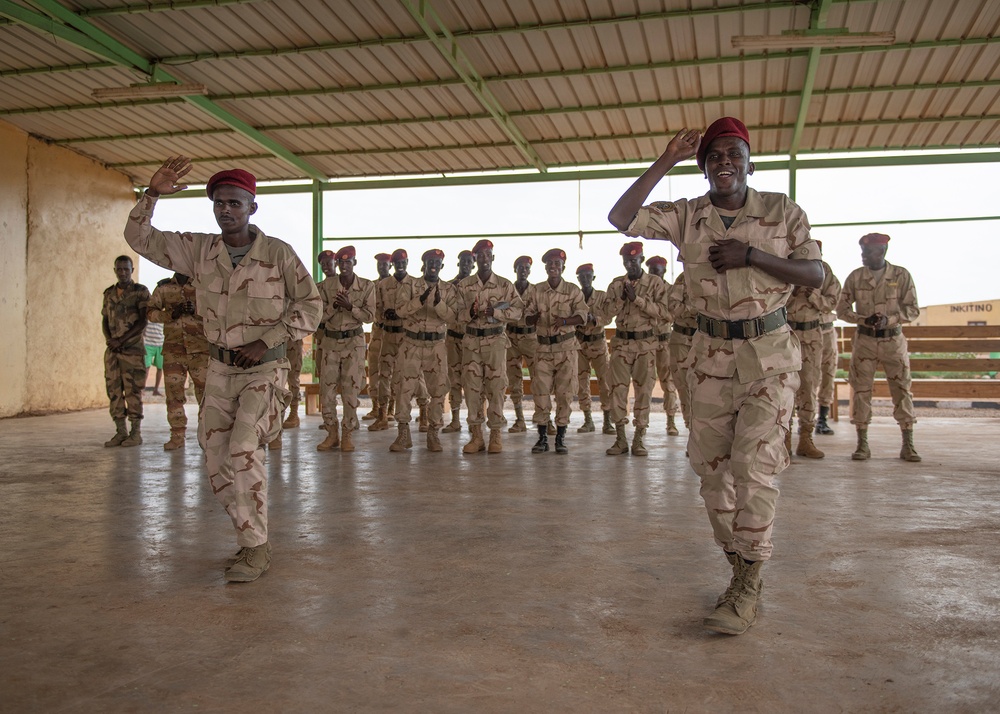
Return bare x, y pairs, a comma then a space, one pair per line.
444, 41
817, 21
316, 189
147, 7
81, 67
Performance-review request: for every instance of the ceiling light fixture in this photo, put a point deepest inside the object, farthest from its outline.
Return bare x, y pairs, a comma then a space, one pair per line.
799, 39
153, 90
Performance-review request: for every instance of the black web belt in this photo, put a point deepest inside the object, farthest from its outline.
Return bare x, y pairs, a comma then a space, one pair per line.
626, 335
803, 326
887, 332
344, 334
529, 330
555, 339
487, 332
425, 336
743, 329
228, 357
687, 331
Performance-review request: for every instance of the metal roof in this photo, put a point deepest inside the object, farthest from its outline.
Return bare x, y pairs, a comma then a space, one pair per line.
315, 89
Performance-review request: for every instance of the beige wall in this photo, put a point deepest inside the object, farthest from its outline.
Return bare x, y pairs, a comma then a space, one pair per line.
66, 232
960, 313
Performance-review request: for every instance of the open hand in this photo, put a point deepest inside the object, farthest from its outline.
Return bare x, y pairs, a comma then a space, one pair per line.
683, 146
166, 179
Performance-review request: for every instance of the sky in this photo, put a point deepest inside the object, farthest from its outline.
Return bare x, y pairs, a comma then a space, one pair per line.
950, 262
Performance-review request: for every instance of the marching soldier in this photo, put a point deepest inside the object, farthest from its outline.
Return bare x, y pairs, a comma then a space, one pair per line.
185, 349
456, 333
681, 332
658, 269
593, 351
879, 298
383, 266
522, 348
828, 371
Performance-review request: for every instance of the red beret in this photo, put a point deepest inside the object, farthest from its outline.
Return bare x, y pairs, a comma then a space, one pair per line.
657, 260
874, 239
383, 257
630, 249
553, 254
726, 126
432, 253
398, 254
233, 177
523, 259
463, 253
482, 245
324, 255
346, 253
585, 267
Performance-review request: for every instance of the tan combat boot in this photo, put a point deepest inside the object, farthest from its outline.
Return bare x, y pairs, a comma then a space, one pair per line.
275, 444
518, 427
737, 609
381, 422
588, 424
347, 441
422, 419
250, 564
608, 427
551, 429
476, 444
121, 433
373, 413
862, 453
638, 449
134, 435
390, 412
456, 423
292, 420
621, 443
433, 442
672, 426
403, 441
806, 446
176, 440
907, 453
496, 445
332, 440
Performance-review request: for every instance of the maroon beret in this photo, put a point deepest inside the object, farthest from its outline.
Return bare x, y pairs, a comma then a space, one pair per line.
398, 254
585, 267
324, 255
232, 177
726, 126
432, 253
630, 249
482, 245
346, 253
874, 239
657, 260
553, 254
383, 257
463, 253
523, 259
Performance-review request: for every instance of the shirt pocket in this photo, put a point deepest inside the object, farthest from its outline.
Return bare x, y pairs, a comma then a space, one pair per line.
265, 300
764, 283
700, 277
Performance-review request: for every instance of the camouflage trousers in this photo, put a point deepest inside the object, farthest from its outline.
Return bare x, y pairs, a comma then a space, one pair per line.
372, 361
679, 347
242, 412
555, 373
484, 375
666, 378
522, 350
737, 447
422, 364
811, 345
631, 364
343, 370
176, 368
388, 368
294, 353
866, 354
453, 346
592, 355
125, 378
828, 371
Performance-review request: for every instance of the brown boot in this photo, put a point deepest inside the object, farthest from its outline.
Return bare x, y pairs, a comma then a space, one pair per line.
275, 444
390, 411
737, 611
907, 453
381, 422
671, 426
476, 444
433, 442
806, 446
456, 423
134, 434
250, 564
292, 420
403, 441
347, 441
588, 424
373, 413
621, 442
518, 427
551, 429
332, 440
422, 419
121, 433
176, 440
638, 448
608, 427
862, 452
496, 445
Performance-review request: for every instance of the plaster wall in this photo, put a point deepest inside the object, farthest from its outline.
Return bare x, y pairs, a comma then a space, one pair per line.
13, 261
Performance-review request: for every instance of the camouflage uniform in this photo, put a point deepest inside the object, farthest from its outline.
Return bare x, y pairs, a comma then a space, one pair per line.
634, 345
741, 389
895, 297
185, 349
269, 296
484, 349
523, 346
125, 370
556, 354
684, 326
343, 344
293, 350
661, 359
593, 354
453, 346
388, 297
831, 355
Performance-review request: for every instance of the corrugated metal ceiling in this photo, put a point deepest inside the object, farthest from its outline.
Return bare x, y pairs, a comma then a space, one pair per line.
353, 88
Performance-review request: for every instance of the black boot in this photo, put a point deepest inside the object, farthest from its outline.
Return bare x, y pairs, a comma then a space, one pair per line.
560, 437
543, 440
821, 426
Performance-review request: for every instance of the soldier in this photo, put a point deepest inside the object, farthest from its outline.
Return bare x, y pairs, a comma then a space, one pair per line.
828, 371
742, 251
383, 264
185, 349
328, 264
806, 308
427, 306
593, 351
522, 348
453, 343
879, 298
488, 302
658, 269
681, 332
556, 307
254, 295
123, 319
348, 303
637, 300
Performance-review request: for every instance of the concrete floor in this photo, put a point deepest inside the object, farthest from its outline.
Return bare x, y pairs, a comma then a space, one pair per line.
442, 583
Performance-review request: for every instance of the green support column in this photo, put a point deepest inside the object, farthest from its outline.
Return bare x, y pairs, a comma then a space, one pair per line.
317, 227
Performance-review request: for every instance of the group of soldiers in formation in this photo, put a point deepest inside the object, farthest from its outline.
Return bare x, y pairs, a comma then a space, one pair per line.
742, 332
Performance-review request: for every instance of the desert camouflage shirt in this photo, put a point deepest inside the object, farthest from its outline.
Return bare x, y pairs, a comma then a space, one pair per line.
552, 305
499, 292
362, 295
678, 306
426, 316
808, 304
123, 311
894, 296
186, 334
649, 309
